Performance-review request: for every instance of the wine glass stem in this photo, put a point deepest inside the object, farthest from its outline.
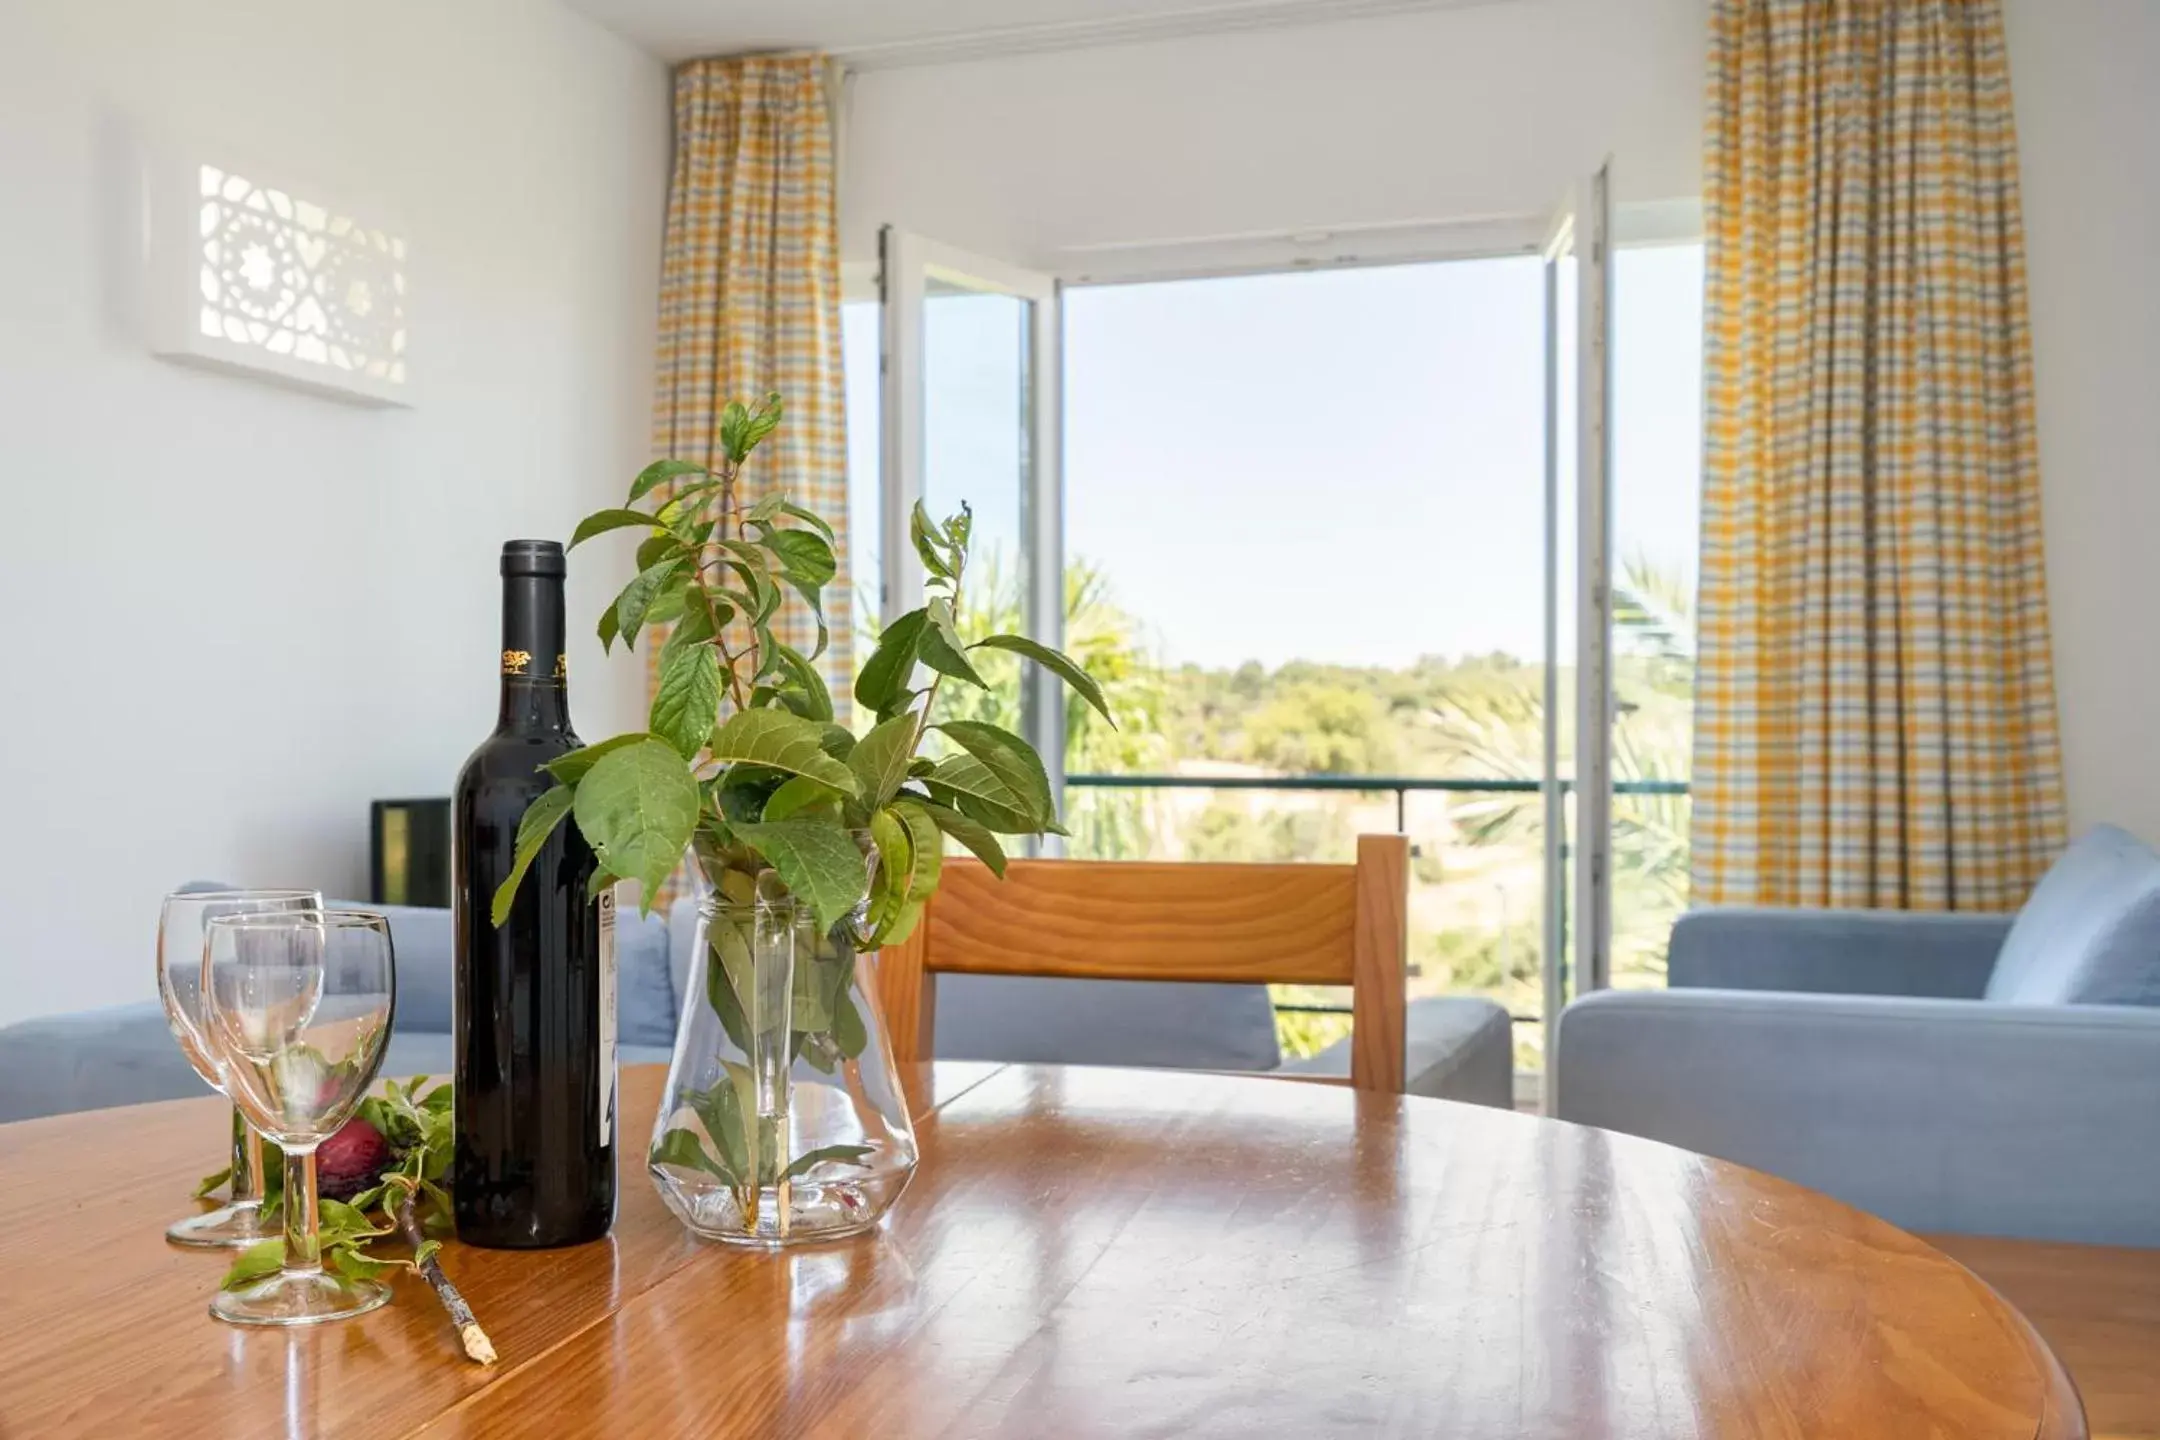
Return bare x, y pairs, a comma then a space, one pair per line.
247, 1163
303, 1239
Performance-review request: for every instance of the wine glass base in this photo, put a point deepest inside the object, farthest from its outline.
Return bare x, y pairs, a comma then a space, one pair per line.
290, 1299
229, 1227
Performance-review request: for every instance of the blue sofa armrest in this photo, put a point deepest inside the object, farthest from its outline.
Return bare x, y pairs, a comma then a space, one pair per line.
1456, 1047
2035, 1121
1845, 952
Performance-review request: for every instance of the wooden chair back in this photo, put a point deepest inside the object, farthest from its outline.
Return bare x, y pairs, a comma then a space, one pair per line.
1126, 920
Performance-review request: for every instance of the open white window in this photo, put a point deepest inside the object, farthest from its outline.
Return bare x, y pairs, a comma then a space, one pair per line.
1578, 619
969, 405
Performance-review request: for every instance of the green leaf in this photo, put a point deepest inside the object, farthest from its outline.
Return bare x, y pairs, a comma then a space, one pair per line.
696, 625
602, 879
976, 838
669, 602
656, 548
930, 542
817, 861
425, 1251
885, 674
808, 517
571, 768
1058, 663
659, 473
725, 1112
637, 808
734, 422
637, 597
355, 1266
609, 630
342, 1220
1012, 760
902, 924
965, 784
687, 700
808, 682
849, 1032
602, 521
928, 845
781, 741
766, 510
763, 421
723, 990
680, 1148
264, 1257
804, 558
210, 1183
838, 741
843, 1154
942, 650
896, 865
880, 760
800, 793
541, 818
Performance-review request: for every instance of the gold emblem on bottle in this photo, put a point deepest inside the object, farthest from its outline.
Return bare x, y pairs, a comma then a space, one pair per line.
516, 662
562, 667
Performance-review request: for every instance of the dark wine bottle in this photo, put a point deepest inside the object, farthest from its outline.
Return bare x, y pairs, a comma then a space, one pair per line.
534, 1008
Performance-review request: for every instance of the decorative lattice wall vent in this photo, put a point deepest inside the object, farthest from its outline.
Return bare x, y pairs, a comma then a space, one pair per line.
277, 281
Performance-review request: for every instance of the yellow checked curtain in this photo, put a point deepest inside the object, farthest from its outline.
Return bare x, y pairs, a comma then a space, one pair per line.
1876, 709
750, 296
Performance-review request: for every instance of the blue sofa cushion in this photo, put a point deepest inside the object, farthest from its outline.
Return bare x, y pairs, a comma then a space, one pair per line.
2090, 934
644, 1000
1106, 1022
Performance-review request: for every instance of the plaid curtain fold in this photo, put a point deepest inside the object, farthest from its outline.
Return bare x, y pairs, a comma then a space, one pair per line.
750, 298
1876, 710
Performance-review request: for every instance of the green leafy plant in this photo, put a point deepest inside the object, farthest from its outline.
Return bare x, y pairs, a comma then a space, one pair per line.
744, 765
405, 1206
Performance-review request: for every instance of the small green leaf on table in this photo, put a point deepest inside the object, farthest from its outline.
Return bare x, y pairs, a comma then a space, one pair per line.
264, 1257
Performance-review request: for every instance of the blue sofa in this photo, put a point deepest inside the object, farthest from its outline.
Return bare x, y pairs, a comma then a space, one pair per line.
1458, 1048
1977, 1074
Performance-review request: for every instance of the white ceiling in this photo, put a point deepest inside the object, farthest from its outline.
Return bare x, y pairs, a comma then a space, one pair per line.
877, 33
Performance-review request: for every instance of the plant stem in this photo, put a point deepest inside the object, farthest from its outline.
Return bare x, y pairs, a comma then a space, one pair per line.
470, 1335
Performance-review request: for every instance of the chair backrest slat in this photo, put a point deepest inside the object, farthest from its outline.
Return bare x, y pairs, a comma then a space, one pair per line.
1122, 920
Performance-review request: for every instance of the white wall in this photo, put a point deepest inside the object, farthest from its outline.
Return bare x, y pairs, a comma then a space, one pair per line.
1492, 110
2088, 111
236, 613
1452, 114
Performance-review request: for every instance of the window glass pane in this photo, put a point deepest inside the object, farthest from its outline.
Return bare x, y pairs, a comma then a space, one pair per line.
1305, 536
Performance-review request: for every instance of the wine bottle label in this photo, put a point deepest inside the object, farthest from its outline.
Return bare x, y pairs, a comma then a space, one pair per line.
607, 1015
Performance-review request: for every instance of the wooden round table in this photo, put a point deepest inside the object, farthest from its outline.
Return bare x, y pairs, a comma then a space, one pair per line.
1083, 1252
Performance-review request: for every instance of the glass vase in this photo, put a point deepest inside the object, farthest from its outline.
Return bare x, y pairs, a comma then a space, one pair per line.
783, 1121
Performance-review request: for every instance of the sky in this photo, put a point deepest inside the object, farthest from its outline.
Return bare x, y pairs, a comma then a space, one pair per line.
1341, 465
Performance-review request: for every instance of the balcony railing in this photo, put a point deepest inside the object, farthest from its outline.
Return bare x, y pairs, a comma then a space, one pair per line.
1400, 786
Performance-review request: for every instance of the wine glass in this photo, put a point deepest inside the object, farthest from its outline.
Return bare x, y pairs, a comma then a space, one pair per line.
179, 969
299, 1006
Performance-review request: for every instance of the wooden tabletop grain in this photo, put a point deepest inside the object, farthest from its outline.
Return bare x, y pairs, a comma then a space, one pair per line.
1084, 1252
